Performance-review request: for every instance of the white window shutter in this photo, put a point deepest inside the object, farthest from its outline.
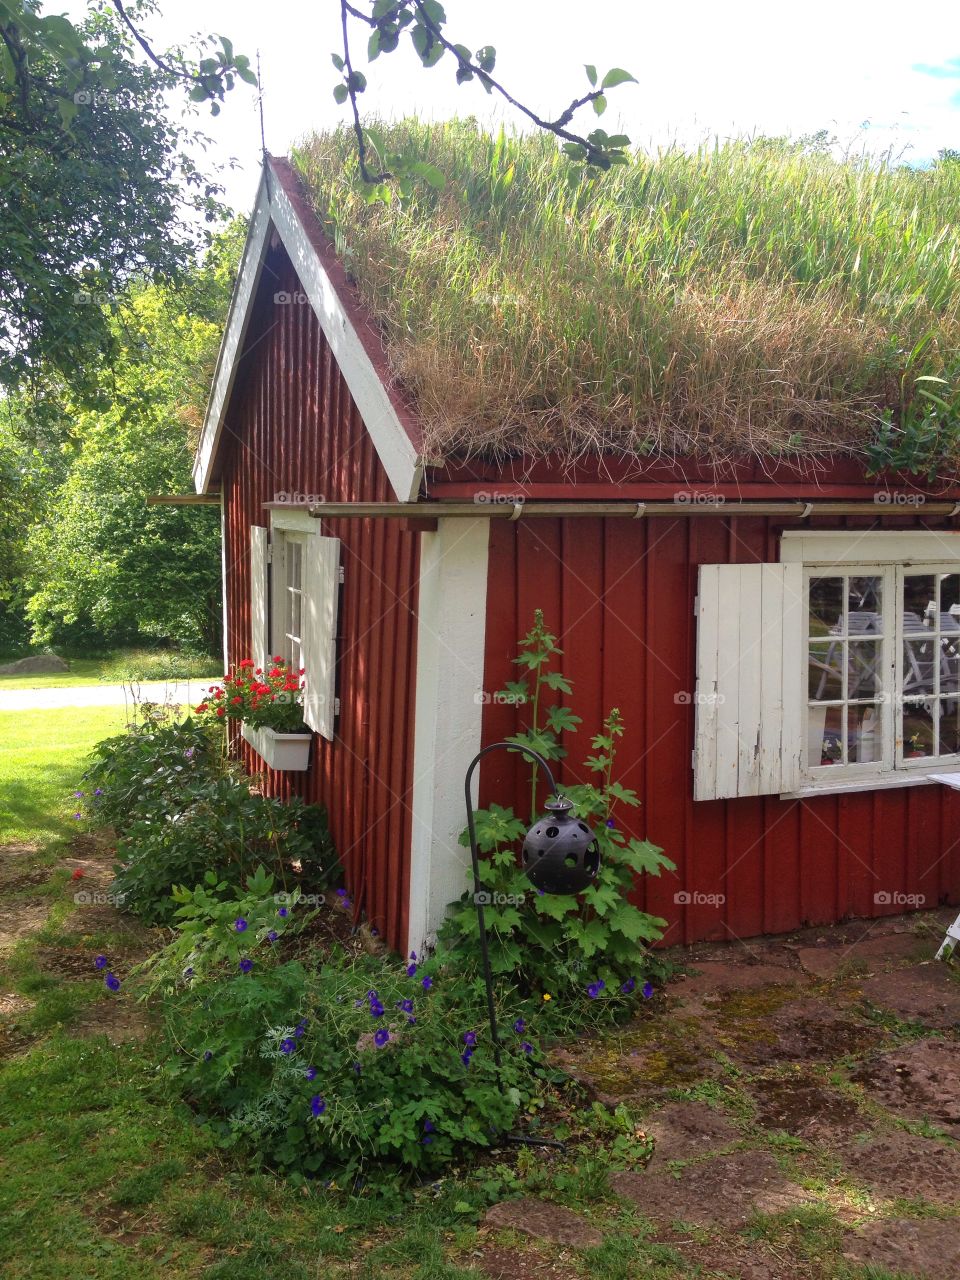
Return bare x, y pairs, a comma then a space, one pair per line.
750, 620
321, 590
258, 595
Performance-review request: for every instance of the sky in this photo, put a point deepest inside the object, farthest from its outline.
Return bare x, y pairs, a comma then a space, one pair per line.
879, 75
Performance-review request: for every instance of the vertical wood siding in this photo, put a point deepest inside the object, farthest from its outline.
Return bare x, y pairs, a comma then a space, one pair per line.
620, 595
293, 428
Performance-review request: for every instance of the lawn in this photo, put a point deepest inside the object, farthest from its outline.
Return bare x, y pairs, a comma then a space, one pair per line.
41, 755
117, 668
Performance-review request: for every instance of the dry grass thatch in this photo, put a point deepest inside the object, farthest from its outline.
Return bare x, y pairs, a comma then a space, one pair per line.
746, 299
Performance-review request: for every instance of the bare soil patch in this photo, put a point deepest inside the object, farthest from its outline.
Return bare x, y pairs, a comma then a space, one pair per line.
872, 952
502, 1262
921, 1081
20, 919
804, 1108
544, 1221
684, 1130
904, 1165
928, 1249
640, 1061
755, 1031
929, 994
720, 1192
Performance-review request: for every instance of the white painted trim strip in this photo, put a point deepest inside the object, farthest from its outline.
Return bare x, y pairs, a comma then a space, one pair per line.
231, 345
451, 638
869, 546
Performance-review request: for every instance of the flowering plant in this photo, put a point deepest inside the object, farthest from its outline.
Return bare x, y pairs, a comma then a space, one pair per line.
263, 699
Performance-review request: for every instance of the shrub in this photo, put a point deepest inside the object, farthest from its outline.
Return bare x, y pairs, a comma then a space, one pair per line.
151, 769
226, 829
590, 947
327, 1068
162, 664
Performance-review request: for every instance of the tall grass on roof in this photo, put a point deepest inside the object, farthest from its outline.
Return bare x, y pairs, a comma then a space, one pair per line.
745, 298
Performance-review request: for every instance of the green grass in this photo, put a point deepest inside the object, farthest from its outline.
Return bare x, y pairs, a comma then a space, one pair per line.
750, 296
41, 759
118, 668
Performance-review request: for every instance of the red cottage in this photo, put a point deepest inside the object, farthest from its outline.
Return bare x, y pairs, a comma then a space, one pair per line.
785, 650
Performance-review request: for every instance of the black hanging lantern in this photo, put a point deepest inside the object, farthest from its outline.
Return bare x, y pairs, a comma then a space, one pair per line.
560, 852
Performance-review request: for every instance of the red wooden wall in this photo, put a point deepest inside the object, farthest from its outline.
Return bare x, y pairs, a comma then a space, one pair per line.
620, 596
293, 427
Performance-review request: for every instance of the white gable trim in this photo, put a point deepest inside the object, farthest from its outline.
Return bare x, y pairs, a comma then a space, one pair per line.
391, 441
451, 638
869, 546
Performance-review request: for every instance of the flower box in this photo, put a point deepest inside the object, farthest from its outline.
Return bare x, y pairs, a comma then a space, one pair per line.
287, 751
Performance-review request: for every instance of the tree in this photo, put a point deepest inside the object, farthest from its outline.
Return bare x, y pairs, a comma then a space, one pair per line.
96, 190
101, 562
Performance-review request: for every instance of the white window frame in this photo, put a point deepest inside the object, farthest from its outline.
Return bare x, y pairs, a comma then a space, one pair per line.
891, 556
294, 525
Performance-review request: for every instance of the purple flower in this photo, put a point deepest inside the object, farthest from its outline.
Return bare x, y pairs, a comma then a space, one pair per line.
207, 1055
427, 983
98, 791
405, 1005
240, 924
376, 1009
411, 1022
413, 955
628, 986
78, 816
78, 794
427, 1140
287, 1045
188, 972
595, 988
283, 913
429, 1126
611, 823
470, 1038
519, 1026
466, 1056
647, 990
111, 982
100, 962
317, 1105
527, 1047
272, 936
381, 1037
311, 1073
246, 965
188, 754
341, 893
357, 1068
411, 970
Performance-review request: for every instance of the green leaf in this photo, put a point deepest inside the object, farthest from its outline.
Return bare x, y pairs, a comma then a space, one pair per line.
556, 905
337, 61
430, 173
617, 76
591, 937
591, 74
600, 105
373, 45
340, 93
634, 923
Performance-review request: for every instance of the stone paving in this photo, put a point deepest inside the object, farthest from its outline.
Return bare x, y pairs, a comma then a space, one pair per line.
814, 1078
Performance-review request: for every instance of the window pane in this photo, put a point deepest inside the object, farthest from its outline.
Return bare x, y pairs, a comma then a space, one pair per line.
864, 606
295, 612
826, 605
918, 666
863, 669
294, 554
918, 730
824, 735
949, 658
919, 601
950, 601
825, 678
949, 726
863, 735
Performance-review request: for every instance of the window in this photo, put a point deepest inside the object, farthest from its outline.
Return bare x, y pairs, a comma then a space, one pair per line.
303, 588
839, 667
883, 668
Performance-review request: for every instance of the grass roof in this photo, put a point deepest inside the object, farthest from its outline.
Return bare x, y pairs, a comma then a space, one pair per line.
748, 298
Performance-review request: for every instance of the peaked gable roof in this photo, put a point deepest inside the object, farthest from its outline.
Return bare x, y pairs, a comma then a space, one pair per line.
281, 208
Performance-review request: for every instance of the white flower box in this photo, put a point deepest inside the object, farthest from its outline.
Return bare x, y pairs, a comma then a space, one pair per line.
287, 751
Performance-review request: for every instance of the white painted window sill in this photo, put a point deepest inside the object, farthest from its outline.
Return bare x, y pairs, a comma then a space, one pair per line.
887, 782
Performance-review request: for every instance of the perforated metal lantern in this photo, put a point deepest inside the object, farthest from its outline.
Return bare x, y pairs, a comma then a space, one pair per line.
560, 853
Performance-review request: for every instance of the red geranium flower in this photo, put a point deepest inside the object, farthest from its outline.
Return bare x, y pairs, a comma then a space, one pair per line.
77, 873
220, 711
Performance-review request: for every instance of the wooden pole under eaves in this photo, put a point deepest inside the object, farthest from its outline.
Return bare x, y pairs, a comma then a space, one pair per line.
496, 509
